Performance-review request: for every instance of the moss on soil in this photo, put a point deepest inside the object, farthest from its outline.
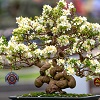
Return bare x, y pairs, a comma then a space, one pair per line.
43, 94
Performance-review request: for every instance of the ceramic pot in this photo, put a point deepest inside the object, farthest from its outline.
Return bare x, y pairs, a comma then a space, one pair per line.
96, 97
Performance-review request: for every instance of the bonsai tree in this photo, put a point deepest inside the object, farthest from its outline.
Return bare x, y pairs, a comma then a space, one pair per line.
49, 42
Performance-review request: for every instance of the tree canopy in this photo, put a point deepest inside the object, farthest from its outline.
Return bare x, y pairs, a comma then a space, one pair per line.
62, 34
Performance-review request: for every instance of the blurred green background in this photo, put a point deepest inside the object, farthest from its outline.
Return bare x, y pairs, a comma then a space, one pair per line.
10, 9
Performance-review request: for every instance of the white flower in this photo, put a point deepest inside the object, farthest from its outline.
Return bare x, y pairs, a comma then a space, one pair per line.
88, 55
79, 20
55, 30
66, 12
62, 2
46, 10
47, 7
64, 25
50, 62
92, 42
18, 19
40, 28
70, 5
29, 55
15, 47
97, 69
61, 25
50, 49
1, 40
77, 39
23, 22
94, 62
60, 62
48, 41
86, 46
40, 20
38, 52
70, 70
74, 49
90, 77
95, 27
85, 25
22, 47
82, 27
34, 24
51, 22
63, 40
63, 18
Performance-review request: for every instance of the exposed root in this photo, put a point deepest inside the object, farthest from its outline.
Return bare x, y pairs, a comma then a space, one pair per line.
57, 80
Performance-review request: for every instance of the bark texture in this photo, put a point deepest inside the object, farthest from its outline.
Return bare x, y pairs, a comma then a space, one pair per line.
56, 77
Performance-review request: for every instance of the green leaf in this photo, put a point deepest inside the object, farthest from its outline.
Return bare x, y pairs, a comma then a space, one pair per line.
93, 68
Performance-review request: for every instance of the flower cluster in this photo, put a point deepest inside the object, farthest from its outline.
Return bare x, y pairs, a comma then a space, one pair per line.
61, 34
3, 44
61, 62
47, 52
79, 20
63, 40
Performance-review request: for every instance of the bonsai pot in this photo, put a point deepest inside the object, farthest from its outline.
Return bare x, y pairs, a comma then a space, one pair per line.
96, 97
55, 96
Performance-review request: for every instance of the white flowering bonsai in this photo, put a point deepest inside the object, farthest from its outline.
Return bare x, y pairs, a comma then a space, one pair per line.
61, 34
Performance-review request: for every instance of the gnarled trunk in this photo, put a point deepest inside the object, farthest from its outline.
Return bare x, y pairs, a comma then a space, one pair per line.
56, 78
